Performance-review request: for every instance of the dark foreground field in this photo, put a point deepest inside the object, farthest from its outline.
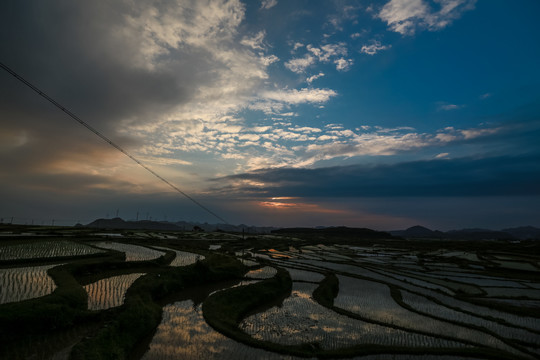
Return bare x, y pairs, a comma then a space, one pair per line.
75, 293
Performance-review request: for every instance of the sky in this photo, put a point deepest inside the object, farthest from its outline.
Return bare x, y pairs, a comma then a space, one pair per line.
379, 114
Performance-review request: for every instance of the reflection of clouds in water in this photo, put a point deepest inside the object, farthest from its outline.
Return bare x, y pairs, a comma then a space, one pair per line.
133, 252
109, 292
183, 258
301, 320
266, 272
184, 334
18, 284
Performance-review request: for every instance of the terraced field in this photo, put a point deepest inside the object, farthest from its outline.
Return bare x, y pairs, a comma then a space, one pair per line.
301, 299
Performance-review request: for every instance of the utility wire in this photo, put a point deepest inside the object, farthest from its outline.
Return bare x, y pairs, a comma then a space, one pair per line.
106, 139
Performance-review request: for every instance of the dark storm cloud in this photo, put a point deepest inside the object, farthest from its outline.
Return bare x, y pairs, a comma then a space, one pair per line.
495, 176
82, 55
75, 52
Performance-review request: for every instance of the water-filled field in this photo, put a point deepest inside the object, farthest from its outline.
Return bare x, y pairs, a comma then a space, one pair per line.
109, 292
45, 249
133, 252
18, 284
184, 334
334, 300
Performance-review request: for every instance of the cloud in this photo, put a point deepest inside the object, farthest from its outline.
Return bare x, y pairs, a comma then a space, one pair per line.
408, 16
374, 48
299, 96
334, 53
299, 65
267, 4
328, 51
145, 74
491, 176
343, 64
448, 107
310, 79
255, 42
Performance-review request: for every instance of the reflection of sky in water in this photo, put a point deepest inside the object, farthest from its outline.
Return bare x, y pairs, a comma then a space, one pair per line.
426, 306
17, 284
372, 300
109, 292
45, 249
133, 252
301, 320
265, 272
183, 258
304, 275
183, 334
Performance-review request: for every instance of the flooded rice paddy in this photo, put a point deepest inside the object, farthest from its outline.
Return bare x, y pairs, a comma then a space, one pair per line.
133, 252
184, 334
406, 304
183, 258
45, 249
18, 284
109, 292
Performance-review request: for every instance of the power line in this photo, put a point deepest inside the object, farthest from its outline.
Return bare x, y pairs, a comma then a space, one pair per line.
106, 139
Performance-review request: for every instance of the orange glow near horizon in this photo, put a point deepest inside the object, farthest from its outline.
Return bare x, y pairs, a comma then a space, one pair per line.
296, 206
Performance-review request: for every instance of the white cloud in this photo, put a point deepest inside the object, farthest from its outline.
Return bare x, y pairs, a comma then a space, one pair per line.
306, 129
442, 155
267, 60
267, 4
310, 79
343, 64
406, 16
374, 48
299, 96
255, 42
297, 46
325, 52
449, 107
299, 65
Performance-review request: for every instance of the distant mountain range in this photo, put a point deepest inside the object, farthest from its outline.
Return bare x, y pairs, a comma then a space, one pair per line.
518, 233
416, 232
120, 224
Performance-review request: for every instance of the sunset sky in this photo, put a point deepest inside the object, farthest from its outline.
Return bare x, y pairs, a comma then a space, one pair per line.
379, 114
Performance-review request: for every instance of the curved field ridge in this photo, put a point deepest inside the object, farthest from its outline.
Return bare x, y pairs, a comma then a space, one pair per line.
300, 320
133, 252
18, 284
183, 334
183, 258
109, 292
45, 249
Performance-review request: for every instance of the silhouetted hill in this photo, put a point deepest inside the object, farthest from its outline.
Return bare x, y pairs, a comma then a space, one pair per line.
524, 232
120, 224
478, 234
340, 231
418, 232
